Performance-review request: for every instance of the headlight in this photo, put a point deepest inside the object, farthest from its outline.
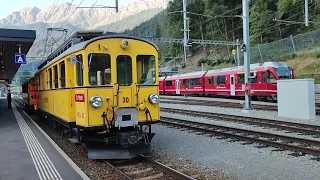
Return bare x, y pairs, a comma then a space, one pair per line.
153, 98
96, 101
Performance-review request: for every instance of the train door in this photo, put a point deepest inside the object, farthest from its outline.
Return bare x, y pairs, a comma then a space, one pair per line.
124, 79
232, 85
177, 86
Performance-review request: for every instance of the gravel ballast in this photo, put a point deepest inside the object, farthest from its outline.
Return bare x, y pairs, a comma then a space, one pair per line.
233, 158
240, 112
238, 125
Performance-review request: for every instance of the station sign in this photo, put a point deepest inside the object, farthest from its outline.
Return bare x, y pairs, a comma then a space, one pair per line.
20, 58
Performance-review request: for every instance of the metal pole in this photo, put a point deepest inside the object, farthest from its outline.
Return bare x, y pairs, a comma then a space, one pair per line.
306, 12
293, 45
185, 30
260, 53
246, 51
238, 52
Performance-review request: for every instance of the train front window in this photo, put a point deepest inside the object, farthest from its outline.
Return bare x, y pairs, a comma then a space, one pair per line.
99, 66
124, 70
146, 69
283, 73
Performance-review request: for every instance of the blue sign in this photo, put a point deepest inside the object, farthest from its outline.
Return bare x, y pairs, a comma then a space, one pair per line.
20, 58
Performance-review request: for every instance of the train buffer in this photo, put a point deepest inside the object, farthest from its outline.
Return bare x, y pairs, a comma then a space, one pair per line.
27, 152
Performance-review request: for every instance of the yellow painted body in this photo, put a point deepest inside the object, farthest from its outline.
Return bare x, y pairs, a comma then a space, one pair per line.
61, 103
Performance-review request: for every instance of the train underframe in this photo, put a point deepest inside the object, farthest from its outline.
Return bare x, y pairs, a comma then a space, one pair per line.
103, 143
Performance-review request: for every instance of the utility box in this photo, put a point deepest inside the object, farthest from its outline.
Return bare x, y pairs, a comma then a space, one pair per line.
296, 98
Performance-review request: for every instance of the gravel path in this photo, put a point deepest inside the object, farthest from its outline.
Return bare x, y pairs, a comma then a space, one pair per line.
240, 112
240, 161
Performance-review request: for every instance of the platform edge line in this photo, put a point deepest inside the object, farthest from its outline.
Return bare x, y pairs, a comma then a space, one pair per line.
62, 153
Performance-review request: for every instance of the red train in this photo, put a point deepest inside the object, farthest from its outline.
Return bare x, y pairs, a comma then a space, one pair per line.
229, 81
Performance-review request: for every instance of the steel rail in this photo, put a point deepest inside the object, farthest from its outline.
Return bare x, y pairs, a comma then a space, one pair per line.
283, 125
214, 129
221, 104
169, 170
217, 103
119, 171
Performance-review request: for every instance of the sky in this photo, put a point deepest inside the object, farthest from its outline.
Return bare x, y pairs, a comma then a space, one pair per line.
9, 6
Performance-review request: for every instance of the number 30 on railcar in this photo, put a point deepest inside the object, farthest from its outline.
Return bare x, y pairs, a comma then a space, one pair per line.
104, 90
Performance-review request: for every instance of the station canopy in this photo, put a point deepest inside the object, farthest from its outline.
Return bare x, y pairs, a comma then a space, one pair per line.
10, 40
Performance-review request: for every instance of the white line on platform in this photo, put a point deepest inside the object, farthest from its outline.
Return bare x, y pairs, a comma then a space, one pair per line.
63, 154
45, 168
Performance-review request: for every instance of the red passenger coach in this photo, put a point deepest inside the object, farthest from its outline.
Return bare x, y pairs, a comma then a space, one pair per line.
190, 83
229, 81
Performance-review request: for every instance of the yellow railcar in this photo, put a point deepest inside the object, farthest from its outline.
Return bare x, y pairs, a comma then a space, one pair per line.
104, 89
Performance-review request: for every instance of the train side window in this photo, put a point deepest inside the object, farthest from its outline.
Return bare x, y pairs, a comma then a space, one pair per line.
50, 78
186, 83
62, 74
47, 84
263, 77
253, 80
168, 83
195, 81
146, 69
99, 69
55, 71
240, 78
124, 70
79, 70
221, 79
210, 81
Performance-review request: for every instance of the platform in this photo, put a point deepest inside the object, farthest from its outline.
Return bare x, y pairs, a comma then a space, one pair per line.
27, 153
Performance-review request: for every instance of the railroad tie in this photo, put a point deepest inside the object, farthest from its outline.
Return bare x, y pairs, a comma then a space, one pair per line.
139, 171
151, 177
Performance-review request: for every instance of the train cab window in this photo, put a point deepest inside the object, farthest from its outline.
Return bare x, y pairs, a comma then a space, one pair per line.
168, 83
221, 79
99, 69
124, 70
271, 78
50, 78
55, 71
146, 69
79, 70
62, 74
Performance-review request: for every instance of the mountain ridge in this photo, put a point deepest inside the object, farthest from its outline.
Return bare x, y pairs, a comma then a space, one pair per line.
65, 15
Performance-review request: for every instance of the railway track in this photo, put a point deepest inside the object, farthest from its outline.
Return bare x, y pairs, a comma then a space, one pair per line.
144, 168
306, 129
298, 145
222, 104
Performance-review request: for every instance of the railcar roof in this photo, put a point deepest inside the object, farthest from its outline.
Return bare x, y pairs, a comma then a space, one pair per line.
252, 67
193, 74
84, 44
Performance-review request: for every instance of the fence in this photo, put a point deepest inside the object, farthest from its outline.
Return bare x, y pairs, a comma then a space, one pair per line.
276, 50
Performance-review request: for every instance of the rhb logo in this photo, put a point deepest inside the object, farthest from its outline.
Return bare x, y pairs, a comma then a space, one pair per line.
79, 98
